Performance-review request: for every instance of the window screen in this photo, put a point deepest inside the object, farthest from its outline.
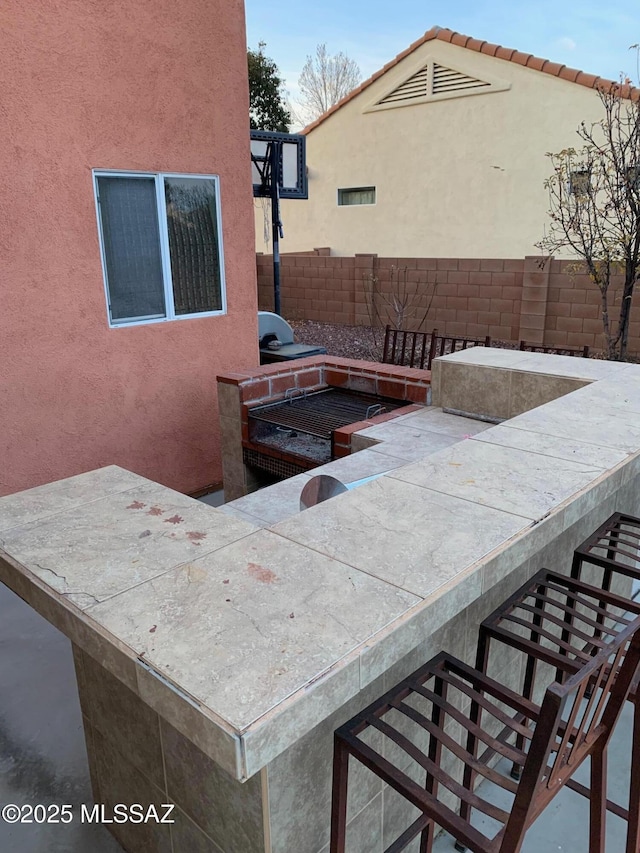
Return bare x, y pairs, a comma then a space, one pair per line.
132, 254
357, 195
579, 182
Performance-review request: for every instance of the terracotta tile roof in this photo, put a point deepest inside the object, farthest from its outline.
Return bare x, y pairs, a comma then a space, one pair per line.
591, 81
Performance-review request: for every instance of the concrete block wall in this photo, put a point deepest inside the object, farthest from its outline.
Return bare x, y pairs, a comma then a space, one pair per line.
509, 299
313, 287
574, 310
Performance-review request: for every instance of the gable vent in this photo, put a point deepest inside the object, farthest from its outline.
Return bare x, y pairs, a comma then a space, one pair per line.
412, 89
448, 80
435, 82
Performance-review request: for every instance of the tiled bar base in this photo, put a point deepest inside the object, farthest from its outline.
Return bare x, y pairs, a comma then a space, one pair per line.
501, 383
136, 756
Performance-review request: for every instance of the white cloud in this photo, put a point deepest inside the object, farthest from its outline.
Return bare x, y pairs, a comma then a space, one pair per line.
566, 43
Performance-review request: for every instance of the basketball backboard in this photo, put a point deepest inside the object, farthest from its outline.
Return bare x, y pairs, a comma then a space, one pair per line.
293, 170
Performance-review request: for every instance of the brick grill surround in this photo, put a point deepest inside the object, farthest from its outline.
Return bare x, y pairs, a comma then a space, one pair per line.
239, 392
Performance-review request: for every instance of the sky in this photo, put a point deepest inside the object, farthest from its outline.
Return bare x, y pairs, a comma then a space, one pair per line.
589, 35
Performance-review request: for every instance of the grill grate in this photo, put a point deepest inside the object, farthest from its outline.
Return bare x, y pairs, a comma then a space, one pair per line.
322, 412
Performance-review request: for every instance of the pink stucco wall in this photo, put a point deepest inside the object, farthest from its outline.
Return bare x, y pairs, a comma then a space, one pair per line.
152, 86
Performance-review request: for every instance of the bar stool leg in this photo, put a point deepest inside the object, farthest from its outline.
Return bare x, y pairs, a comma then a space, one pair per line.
576, 567
527, 692
426, 839
633, 821
339, 797
435, 752
576, 573
598, 801
475, 714
529, 681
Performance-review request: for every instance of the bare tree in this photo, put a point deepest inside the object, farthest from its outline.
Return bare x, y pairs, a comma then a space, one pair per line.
325, 80
594, 195
400, 303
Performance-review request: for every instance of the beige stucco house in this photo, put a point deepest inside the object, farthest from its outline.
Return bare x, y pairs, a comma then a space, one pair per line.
441, 153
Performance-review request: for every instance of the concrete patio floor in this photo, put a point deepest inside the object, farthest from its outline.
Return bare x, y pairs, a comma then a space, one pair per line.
42, 752
43, 759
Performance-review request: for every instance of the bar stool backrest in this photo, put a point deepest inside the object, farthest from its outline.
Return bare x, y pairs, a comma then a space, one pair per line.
446, 344
576, 718
410, 349
582, 352
418, 349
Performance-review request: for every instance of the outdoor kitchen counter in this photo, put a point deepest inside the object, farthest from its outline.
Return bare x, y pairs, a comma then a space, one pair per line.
243, 638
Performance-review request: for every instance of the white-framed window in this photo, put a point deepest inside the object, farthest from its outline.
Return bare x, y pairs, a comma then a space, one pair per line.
633, 177
579, 182
356, 195
161, 245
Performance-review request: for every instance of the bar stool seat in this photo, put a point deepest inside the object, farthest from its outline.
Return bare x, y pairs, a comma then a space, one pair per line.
417, 732
614, 546
564, 622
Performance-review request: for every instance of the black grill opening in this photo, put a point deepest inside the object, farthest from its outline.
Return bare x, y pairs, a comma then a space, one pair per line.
274, 469
303, 424
291, 440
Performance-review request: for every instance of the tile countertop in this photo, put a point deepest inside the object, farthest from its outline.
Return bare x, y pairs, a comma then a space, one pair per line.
245, 636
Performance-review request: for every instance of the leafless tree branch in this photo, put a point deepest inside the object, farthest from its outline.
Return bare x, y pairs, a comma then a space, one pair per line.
325, 80
594, 205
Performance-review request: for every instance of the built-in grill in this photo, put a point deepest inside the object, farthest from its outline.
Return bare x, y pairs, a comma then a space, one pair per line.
302, 425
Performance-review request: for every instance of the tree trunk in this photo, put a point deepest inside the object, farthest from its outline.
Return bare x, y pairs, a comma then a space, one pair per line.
612, 354
625, 308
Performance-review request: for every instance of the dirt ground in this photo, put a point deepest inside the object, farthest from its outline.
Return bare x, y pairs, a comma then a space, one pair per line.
350, 341
343, 341
365, 342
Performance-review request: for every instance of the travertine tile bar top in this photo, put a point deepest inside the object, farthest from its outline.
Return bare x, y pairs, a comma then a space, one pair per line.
245, 636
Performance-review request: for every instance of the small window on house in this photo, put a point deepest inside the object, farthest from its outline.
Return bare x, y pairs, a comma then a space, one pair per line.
357, 195
579, 183
633, 177
161, 246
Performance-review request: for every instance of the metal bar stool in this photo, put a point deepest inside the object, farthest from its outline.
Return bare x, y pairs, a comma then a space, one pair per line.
564, 622
614, 547
426, 720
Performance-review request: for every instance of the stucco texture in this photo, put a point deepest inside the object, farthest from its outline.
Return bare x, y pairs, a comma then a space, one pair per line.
146, 86
460, 177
